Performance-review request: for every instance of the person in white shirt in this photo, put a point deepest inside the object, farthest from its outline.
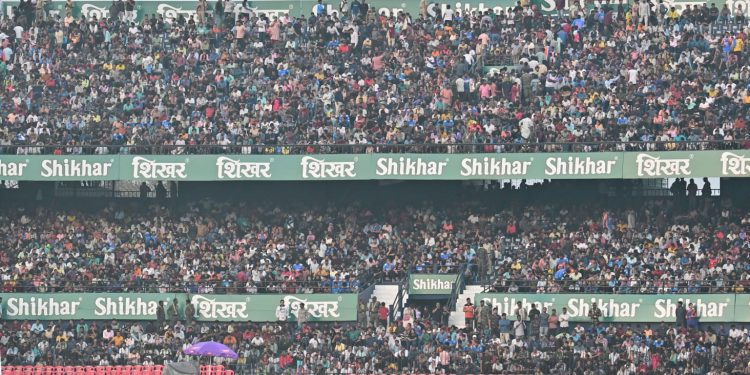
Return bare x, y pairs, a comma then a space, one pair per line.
282, 312
564, 320
448, 16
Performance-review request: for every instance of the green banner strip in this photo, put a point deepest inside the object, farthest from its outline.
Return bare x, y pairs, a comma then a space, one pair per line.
172, 9
628, 308
425, 284
602, 165
208, 307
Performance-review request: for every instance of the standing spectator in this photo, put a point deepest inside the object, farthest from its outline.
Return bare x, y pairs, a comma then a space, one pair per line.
448, 15
644, 12
692, 192
173, 313
383, 315
438, 316
553, 323
302, 316
692, 317
595, 313
372, 312
189, 312
521, 311
129, 11
544, 322
564, 320
680, 315
282, 312
505, 326
486, 318
200, 11
160, 316
144, 190
519, 327
534, 321
469, 313
479, 312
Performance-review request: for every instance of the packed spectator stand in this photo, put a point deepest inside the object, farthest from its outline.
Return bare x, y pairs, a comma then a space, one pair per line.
311, 84
661, 245
359, 78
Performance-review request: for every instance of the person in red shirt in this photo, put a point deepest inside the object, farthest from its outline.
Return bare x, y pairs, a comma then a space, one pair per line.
469, 313
383, 315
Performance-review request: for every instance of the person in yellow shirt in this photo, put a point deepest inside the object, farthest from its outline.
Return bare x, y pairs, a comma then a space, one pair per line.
739, 44
118, 339
672, 15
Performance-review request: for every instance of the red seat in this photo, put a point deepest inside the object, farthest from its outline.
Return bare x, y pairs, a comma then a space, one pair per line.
90, 370
69, 370
79, 370
27, 370
146, 370
126, 370
137, 370
157, 370
48, 370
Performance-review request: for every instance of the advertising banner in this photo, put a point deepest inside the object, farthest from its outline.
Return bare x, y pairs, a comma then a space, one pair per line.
343, 167
625, 308
432, 284
296, 8
142, 306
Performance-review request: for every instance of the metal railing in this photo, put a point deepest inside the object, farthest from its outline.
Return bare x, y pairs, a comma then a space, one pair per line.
627, 287
424, 148
212, 287
457, 287
398, 303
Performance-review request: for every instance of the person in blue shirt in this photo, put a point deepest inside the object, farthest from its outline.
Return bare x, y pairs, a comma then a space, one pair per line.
505, 327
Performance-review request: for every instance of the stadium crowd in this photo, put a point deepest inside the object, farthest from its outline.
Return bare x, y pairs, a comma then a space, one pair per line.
634, 72
222, 246
533, 341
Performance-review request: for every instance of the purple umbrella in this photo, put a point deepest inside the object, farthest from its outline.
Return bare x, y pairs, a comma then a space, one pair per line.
211, 349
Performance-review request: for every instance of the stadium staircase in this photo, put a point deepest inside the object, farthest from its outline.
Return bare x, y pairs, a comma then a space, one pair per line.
457, 316
104, 370
385, 293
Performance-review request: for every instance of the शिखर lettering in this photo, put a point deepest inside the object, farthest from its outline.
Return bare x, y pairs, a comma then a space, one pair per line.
650, 166
149, 169
211, 309
734, 165
319, 168
317, 309
234, 169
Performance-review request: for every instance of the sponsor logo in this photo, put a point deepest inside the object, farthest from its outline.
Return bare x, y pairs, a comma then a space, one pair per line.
319, 168
649, 166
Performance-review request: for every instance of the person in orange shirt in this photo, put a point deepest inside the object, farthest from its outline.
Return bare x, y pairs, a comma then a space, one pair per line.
469, 314
230, 341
